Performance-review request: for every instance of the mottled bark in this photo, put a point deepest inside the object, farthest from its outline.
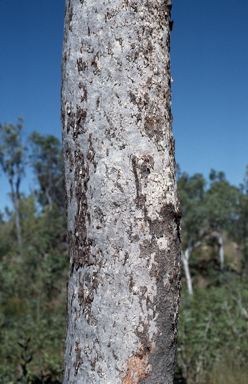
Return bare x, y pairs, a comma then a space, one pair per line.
122, 201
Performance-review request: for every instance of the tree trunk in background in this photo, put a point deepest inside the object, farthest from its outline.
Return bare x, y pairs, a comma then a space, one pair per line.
122, 201
185, 260
15, 197
221, 251
16, 204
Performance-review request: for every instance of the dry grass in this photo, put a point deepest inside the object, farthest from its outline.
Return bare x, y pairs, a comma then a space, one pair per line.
228, 374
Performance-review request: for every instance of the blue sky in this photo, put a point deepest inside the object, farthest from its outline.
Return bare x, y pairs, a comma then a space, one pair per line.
209, 65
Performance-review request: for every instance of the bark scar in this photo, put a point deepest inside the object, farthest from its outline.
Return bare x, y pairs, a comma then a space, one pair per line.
138, 367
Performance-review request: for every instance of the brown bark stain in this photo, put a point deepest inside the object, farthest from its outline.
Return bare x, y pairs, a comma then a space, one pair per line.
138, 367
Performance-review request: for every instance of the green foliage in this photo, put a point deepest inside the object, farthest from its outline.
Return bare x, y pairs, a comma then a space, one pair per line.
211, 325
192, 192
47, 163
32, 297
220, 201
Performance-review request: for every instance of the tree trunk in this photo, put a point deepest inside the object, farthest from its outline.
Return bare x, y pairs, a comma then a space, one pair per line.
122, 201
16, 203
185, 260
221, 251
15, 197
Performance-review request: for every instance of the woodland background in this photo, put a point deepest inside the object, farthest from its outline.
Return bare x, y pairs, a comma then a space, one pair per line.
213, 318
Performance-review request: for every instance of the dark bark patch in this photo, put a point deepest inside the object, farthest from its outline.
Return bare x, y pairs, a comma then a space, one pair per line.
81, 65
70, 122
71, 192
88, 286
131, 284
166, 263
84, 96
111, 132
79, 359
91, 153
63, 118
177, 218
149, 126
153, 127
143, 290
141, 169
79, 244
99, 214
126, 257
98, 102
69, 156
95, 63
79, 124
135, 238
132, 97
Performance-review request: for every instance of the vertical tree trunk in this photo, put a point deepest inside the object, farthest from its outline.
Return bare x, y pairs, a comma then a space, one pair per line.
15, 197
185, 260
122, 201
221, 251
16, 203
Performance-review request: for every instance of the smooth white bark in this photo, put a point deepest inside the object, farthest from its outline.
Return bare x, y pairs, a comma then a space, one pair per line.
221, 251
185, 259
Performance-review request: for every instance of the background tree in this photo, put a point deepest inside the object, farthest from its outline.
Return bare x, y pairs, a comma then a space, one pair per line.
221, 202
123, 209
47, 163
193, 224
239, 228
13, 162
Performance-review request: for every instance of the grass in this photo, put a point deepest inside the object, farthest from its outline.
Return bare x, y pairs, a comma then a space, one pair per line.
228, 373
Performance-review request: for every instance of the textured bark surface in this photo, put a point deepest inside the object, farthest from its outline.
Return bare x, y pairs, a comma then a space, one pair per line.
122, 201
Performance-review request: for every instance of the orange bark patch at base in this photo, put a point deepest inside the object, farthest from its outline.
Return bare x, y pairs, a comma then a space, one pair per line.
137, 368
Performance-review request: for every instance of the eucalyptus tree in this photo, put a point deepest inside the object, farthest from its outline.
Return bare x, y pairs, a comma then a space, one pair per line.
122, 201
13, 161
194, 223
47, 163
239, 228
221, 202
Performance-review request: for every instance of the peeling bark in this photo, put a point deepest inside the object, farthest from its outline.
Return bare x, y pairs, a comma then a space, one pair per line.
122, 201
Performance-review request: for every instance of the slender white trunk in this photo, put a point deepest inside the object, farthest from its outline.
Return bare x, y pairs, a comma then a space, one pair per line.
185, 258
221, 251
122, 201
